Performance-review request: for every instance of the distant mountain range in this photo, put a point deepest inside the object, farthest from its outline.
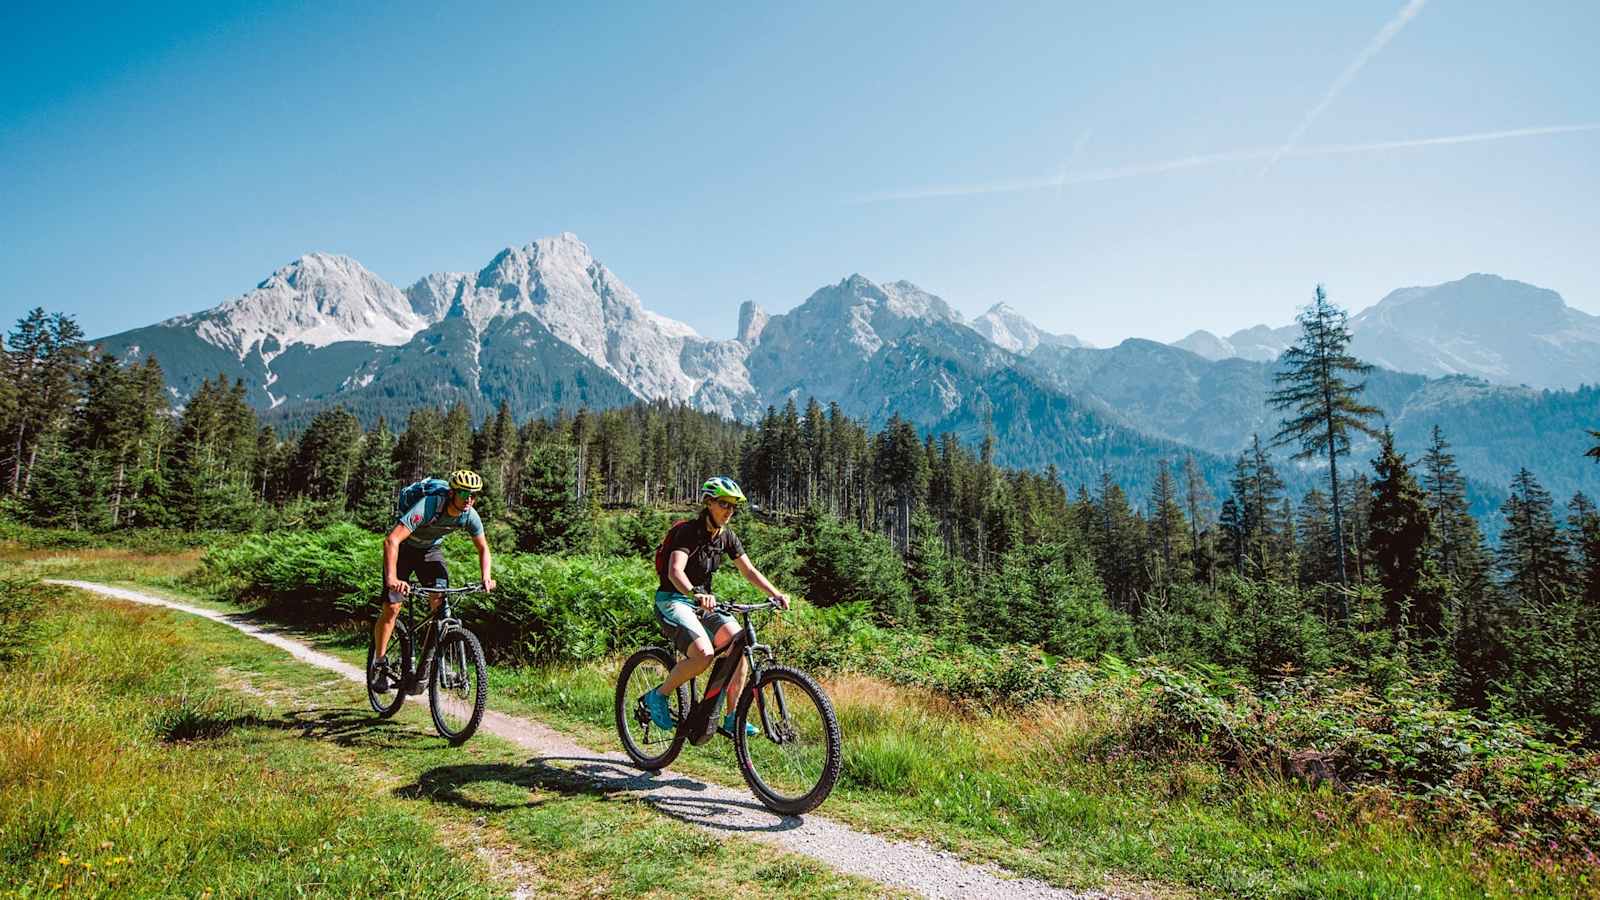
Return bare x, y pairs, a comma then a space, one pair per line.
545, 326
1486, 326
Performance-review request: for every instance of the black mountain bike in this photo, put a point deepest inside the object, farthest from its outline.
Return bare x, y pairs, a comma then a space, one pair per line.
449, 667
791, 765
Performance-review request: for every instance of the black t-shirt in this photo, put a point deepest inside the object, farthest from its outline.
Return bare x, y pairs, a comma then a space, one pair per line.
705, 553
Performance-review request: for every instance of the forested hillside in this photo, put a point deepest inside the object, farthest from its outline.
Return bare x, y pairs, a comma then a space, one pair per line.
924, 527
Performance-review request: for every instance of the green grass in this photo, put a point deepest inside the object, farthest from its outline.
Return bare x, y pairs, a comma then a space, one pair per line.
1042, 794
144, 752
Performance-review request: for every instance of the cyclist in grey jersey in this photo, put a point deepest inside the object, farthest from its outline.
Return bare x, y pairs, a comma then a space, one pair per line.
413, 548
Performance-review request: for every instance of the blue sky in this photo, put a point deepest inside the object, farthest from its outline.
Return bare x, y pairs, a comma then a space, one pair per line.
154, 162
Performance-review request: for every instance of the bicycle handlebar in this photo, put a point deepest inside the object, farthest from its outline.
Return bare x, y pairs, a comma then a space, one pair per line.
464, 589
769, 603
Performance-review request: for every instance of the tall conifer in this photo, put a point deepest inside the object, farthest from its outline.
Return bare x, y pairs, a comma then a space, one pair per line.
1323, 406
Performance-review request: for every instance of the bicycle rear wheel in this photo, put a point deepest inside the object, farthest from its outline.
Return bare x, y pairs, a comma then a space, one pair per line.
458, 687
398, 654
648, 746
792, 765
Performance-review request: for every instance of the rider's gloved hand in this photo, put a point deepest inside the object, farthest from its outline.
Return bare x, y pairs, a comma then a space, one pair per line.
783, 600
708, 602
396, 586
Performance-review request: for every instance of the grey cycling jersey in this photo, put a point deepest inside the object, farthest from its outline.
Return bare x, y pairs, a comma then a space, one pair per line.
430, 524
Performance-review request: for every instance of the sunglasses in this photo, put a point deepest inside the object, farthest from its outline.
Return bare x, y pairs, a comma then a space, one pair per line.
464, 496
724, 504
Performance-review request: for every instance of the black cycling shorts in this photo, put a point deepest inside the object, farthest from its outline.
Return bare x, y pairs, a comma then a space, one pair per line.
427, 564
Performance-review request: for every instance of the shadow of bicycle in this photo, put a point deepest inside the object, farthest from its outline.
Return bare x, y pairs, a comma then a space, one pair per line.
673, 796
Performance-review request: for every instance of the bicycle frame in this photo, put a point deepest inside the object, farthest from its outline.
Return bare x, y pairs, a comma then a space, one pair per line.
441, 619
701, 723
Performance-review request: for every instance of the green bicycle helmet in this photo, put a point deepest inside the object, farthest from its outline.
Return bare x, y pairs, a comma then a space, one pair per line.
723, 487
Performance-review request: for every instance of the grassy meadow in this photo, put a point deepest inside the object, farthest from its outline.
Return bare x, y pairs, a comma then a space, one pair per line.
1113, 776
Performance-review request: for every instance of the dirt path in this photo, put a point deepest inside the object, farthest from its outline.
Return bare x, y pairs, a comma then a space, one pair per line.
911, 866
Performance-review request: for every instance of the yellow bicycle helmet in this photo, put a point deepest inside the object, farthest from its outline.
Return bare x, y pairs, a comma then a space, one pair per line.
466, 480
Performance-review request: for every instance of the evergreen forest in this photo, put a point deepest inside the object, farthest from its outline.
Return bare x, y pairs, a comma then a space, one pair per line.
1380, 571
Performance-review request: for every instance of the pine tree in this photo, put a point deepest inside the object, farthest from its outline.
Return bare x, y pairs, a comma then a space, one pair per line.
206, 486
1251, 524
551, 517
1583, 522
1324, 407
1400, 538
373, 485
326, 457
1169, 533
1318, 557
44, 363
1198, 500
1118, 541
931, 574
1453, 528
1531, 550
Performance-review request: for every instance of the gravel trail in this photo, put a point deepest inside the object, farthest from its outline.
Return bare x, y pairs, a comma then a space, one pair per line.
901, 864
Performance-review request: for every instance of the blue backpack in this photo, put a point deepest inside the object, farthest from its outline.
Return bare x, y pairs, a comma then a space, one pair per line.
412, 494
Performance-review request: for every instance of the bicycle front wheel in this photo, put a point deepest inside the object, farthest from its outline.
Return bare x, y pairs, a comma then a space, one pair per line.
386, 702
458, 686
649, 747
792, 765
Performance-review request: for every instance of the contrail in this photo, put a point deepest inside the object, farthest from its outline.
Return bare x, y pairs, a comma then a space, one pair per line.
1211, 159
1384, 36
1335, 149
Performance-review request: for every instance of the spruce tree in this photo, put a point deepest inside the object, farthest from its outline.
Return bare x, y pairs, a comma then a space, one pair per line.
325, 458
1400, 538
1324, 407
1169, 533
1251, 524
551, 517
1314, 524
373, 485
44, 363
1446, 490
1198, 499
931, 574
1532, 553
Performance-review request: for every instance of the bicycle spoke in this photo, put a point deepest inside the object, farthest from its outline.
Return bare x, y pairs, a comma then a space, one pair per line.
791, 755
647, 744
457, 690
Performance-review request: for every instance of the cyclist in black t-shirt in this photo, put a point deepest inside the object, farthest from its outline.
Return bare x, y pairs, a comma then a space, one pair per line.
694, 549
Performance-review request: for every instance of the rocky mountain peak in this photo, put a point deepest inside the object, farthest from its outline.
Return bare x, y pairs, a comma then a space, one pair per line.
1010, 330
752, 321
319, 299
1206, 345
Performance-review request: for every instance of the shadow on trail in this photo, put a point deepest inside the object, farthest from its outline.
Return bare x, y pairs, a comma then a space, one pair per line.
343, 726
601, 778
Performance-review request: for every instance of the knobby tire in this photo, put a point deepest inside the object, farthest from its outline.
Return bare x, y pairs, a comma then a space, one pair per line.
399, 656
629, 729
459, 655
802, 696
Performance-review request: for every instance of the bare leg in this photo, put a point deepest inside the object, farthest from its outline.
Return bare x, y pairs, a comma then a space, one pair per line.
384, 627
693, 664
725, 635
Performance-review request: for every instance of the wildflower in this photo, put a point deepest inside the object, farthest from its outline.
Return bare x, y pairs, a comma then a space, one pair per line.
64, 860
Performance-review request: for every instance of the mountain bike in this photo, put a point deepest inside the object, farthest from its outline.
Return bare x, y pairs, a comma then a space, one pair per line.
791, 765
449, 667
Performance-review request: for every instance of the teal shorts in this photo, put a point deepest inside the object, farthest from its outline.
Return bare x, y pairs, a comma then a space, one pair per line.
683, 621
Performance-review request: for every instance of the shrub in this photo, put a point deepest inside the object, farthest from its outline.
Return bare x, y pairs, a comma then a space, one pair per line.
22, 604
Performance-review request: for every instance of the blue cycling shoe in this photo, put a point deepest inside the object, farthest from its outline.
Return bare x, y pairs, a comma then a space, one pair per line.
660, 712
728, 723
